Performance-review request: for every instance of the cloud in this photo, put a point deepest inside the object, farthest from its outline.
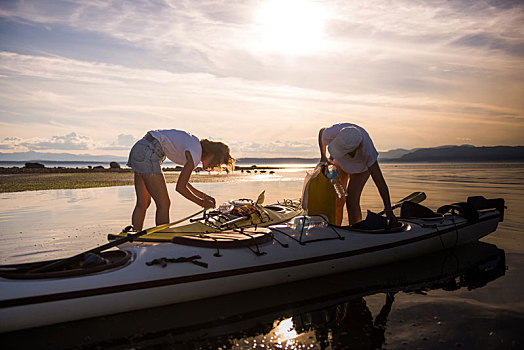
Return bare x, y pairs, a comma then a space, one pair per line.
406, 70
70, 141
490, 42
277, 148
123, 142
367, 40
10, 143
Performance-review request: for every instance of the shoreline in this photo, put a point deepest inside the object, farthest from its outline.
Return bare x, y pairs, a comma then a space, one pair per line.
36, 179
101, 169
20, 179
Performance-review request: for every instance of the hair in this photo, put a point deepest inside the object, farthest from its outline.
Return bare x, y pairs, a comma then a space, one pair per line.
220, 152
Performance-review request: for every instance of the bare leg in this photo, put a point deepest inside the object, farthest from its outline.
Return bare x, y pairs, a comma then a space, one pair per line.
344, 177
143, 200
355, 187
157, 188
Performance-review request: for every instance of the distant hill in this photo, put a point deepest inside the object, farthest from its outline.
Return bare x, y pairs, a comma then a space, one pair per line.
463, 153
394, 153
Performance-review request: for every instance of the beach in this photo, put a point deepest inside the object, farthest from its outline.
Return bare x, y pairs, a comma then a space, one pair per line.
19, 179
47, 224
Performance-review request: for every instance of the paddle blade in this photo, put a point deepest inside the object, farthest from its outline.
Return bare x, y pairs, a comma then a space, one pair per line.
415, 197
261, 198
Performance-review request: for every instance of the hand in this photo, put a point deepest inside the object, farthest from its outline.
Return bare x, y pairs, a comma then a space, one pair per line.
207, 197
208, 203
393, 219
390, 297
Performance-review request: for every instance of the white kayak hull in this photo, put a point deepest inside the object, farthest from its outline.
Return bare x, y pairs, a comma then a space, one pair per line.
468, 267
328, 250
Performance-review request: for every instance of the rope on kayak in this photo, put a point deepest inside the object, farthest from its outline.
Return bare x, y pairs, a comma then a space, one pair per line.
217, 253
283, 245
301, 242
256, 252
456, 231
164, 261
435, 226
453, 214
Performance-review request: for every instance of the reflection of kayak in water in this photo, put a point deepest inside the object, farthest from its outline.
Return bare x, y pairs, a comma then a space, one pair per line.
145, 276
305, 305
352, 322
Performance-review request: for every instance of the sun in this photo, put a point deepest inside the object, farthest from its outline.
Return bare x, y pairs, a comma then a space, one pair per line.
293, 27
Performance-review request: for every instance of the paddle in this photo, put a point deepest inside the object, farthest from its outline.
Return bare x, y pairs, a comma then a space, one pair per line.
128, 238
415, 197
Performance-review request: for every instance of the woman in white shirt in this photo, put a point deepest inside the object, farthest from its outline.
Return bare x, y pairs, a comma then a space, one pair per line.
146, 157
355, 156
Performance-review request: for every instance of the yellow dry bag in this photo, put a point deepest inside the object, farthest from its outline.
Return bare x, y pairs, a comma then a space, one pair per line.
319, 196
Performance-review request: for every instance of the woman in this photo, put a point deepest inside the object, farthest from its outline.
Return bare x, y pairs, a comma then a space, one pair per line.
355, 157
146, 157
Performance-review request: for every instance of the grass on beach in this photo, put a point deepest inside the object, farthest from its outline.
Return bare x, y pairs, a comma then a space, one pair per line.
56, 181
15, 179
35, 182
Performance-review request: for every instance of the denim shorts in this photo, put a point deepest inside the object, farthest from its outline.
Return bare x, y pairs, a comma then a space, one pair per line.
146, 156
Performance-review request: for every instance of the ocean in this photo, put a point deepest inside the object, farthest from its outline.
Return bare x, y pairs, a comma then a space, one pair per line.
243, 162
463, 306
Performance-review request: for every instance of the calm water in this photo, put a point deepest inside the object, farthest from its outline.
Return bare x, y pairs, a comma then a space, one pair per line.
465, 299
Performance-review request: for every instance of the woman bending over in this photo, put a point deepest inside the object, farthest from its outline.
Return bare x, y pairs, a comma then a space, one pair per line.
182, 148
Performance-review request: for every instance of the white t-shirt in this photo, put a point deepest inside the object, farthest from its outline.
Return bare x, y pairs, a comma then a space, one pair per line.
176, 142
365, 156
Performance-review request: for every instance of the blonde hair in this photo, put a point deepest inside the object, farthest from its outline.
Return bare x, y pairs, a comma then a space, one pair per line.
220, 154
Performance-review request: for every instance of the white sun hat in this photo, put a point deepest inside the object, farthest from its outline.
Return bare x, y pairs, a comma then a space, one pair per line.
346, 141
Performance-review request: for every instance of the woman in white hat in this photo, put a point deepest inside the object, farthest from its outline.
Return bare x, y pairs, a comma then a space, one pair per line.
355, 156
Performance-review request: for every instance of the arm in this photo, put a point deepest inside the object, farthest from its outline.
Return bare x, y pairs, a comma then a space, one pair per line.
201, 194
187, 190
380, 182
323, 157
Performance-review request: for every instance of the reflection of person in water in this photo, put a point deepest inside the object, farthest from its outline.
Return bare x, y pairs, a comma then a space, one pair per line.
352, 325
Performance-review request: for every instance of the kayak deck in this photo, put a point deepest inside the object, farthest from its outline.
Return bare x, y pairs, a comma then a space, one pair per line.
216, 222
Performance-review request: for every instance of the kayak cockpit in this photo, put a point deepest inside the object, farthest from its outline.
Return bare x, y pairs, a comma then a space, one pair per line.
90, 264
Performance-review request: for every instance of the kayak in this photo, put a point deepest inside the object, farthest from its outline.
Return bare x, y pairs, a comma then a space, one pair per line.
252, 313
241, 213
195, 267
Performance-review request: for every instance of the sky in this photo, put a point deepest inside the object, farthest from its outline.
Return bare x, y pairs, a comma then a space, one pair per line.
92, 77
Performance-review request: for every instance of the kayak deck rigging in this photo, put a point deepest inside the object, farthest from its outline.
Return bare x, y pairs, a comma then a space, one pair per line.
244, 214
